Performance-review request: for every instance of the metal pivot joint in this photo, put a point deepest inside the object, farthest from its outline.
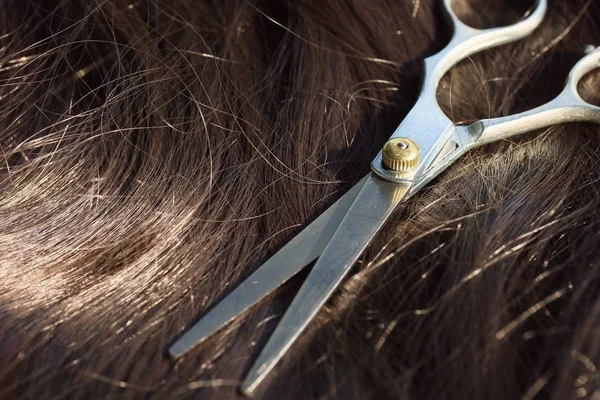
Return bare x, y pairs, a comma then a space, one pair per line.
423, 146
426, 124
400, 155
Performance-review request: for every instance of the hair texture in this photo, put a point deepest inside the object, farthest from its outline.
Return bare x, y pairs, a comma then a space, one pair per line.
154, 153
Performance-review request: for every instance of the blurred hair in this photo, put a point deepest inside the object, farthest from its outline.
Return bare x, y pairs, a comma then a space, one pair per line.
153, 153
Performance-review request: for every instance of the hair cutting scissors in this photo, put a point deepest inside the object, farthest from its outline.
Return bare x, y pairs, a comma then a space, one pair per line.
423, 146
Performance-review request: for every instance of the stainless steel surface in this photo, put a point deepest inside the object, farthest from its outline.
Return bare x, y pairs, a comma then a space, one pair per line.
567, 107
288, 261
340, 235
426, 121
372, 207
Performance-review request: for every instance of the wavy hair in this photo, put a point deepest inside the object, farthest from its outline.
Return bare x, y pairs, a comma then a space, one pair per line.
154, 152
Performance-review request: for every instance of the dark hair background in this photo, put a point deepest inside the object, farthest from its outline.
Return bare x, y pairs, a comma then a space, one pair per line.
153, 153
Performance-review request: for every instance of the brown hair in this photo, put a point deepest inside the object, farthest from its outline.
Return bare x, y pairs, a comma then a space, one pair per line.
153, 153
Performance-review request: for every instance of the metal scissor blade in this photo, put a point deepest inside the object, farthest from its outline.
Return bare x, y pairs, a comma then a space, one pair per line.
373, 205
297, 254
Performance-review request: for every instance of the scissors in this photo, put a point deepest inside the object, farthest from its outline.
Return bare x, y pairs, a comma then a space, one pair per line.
423, 146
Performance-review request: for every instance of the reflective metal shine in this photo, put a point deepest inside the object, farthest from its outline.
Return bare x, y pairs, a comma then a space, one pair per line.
339, 236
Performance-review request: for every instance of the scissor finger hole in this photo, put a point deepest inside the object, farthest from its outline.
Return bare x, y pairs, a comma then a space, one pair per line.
588, 87
485, 14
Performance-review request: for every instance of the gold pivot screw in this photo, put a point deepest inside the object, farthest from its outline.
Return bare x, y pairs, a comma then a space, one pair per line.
400, 154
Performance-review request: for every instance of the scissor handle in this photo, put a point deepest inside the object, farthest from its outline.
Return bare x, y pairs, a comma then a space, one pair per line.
467, 40
426, 124
568, 106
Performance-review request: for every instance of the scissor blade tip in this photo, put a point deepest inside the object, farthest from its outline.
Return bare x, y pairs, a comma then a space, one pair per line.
247, 388
253, 379
176, 351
